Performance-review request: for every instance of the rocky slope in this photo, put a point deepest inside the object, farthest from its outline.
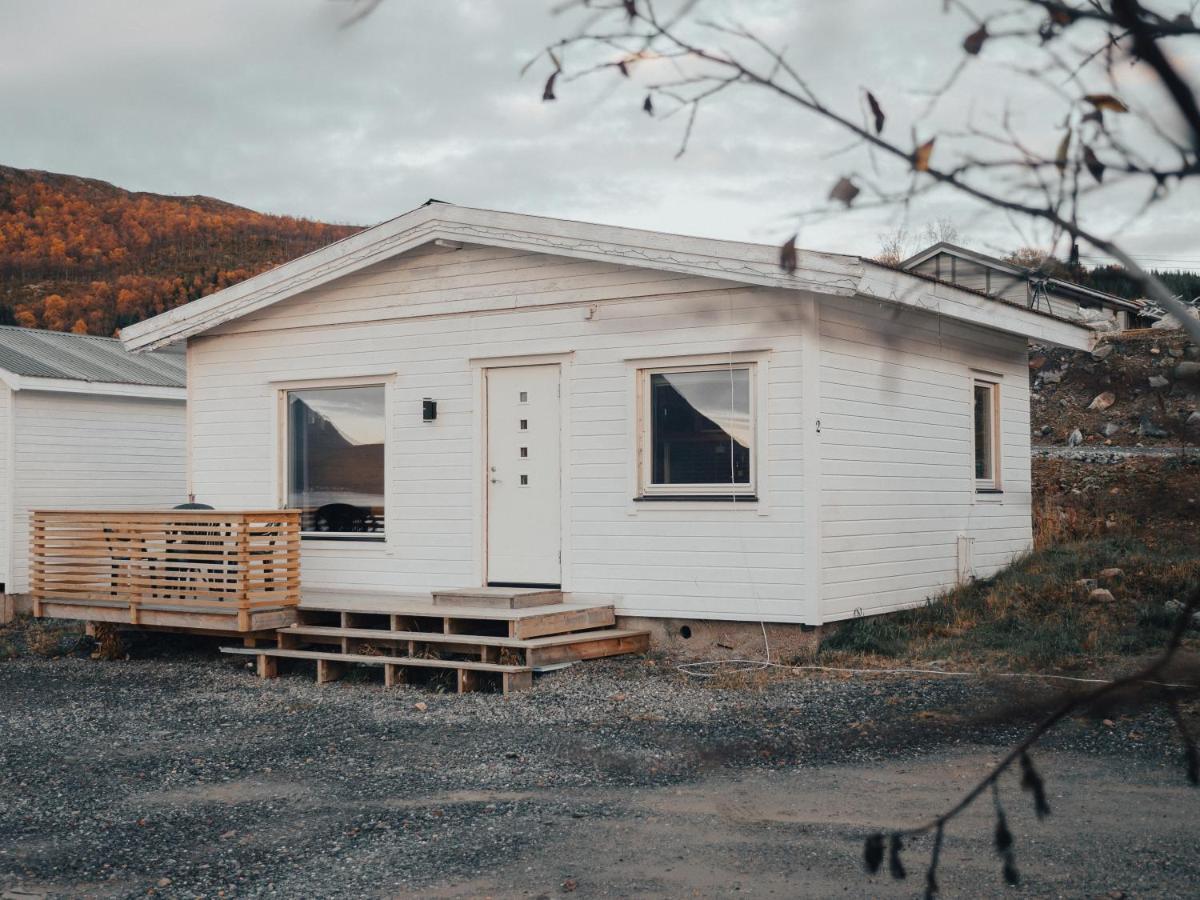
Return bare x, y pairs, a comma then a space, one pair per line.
1137, 388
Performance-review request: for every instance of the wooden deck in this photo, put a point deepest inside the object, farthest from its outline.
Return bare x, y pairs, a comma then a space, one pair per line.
192, 570
495, 646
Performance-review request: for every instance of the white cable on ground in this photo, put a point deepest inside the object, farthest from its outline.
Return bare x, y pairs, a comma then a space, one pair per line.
754, 665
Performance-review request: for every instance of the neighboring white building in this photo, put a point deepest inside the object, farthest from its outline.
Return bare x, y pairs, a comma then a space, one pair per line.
83, 423
460, 397
1017, 284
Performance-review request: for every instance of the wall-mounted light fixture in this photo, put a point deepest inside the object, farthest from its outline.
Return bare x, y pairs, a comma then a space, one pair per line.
428, 410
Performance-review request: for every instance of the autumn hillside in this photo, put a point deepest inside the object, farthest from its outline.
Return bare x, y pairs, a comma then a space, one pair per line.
82, 255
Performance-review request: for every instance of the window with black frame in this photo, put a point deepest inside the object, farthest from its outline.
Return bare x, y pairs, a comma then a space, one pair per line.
335, 460
701, 431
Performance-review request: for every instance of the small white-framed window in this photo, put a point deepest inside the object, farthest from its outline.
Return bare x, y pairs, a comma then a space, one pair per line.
334, 460
697, 430
985, 420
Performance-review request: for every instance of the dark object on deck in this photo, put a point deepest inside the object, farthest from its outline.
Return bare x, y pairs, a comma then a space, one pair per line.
344, 517
192, 506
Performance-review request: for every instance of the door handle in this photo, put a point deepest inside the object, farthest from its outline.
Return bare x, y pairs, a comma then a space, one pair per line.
495, 481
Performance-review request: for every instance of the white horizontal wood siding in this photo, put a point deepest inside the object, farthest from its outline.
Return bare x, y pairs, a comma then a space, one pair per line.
897, 455
6, 485
88, 451
429, 319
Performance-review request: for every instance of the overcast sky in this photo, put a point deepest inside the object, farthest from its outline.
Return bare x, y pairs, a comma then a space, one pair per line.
270, 105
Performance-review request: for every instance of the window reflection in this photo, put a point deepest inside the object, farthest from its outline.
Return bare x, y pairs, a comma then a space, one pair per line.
700, 427
336, 458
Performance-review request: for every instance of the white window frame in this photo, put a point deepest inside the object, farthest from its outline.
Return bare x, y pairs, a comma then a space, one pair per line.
283, 453
646, 489
993, 484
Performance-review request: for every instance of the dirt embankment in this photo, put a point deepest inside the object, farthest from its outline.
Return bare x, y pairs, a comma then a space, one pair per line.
1137, 388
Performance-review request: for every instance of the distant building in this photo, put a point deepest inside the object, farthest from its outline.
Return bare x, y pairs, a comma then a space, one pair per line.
1022, 286
83, 423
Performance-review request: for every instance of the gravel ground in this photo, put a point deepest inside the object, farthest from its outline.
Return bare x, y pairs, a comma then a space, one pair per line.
186, 776
1109, 454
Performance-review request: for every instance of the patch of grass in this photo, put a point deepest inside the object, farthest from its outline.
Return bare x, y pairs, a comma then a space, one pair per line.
48, 638
1034, 614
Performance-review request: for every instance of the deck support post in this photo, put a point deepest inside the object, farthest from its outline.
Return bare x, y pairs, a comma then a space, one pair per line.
329, 670
517, 681
467, 681
393, 675
268, 666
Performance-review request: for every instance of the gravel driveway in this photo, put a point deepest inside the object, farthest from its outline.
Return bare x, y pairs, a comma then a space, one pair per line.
186, 777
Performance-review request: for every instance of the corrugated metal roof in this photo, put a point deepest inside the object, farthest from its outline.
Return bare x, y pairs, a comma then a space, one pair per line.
82, 357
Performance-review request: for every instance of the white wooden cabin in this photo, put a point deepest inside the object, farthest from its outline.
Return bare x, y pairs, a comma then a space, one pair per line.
83, 423
461, 397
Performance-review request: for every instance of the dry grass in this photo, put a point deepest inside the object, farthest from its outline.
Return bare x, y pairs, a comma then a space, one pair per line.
1138, 516
1034, 614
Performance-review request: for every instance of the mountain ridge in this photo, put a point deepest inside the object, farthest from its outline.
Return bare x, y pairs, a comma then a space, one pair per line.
81, 254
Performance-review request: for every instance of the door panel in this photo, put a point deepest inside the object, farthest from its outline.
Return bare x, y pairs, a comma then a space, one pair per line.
523, 475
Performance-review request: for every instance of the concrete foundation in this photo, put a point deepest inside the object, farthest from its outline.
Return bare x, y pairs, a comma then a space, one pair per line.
13, 604
713, 639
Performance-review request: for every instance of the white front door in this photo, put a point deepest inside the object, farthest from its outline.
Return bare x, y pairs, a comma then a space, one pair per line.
523, 476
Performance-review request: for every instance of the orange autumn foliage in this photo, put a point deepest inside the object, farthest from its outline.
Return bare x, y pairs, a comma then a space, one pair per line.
84, 256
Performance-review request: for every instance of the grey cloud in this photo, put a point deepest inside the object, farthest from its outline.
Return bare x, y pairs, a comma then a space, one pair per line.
271, 105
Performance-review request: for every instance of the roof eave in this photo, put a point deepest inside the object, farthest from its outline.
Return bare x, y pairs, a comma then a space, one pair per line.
95, 388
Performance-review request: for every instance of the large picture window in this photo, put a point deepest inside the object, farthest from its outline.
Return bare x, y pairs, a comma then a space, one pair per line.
335, 460
698, 431
986, 421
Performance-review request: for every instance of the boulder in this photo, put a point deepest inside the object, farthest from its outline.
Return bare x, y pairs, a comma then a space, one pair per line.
1102, 352
1187, 369
1110, 429
1075, 438
1193, 421
1086, 585
1111, 573
1101, 595
1157, 381
1147, 428
1103, 401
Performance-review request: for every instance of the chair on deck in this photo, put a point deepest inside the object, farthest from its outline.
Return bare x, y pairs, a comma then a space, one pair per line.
344, 517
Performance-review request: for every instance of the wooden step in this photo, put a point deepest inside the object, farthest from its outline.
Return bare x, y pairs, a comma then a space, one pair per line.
498, 597
330, 666
540, 651
530, 622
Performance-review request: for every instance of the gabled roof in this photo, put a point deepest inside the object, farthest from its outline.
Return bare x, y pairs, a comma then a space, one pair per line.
80, 363
726, 261
1059, 285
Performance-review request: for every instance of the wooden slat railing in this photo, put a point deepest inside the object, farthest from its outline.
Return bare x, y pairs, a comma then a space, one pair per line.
208, 561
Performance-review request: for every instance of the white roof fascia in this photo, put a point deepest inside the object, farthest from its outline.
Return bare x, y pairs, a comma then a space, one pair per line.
96, 388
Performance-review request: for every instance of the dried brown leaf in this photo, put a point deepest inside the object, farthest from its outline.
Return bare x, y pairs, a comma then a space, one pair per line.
1107, 101
876, 111
921, 156
844, 191
973, 42
787, 255
1093, 164
1060, 158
